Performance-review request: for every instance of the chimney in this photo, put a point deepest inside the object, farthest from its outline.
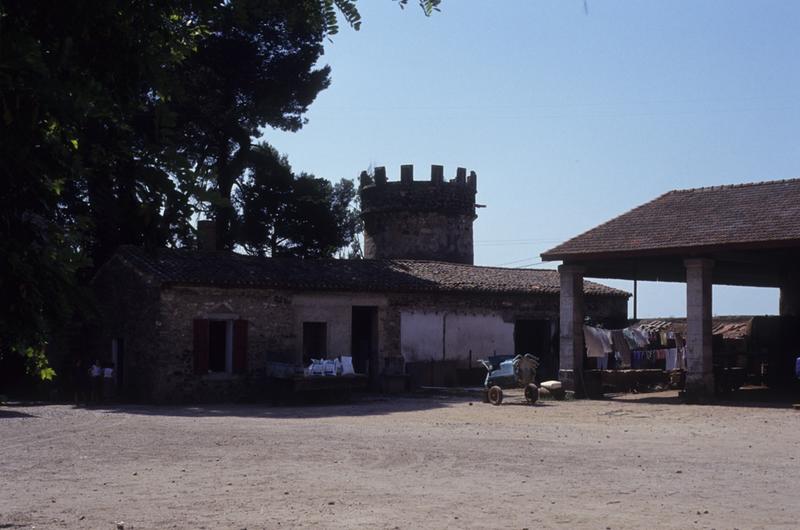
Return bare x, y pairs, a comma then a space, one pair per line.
207, 235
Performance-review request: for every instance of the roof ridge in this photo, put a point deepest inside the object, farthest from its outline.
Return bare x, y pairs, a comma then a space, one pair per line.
137, 251
734, 186
191, 266
472, 265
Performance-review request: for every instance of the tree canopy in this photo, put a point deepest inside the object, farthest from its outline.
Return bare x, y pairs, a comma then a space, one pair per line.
122, 121
293, 215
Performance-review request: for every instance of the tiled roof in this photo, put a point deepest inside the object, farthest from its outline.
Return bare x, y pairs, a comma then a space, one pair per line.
729, 327
178, 266
763, 212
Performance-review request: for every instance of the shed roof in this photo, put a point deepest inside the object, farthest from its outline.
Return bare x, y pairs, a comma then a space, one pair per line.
733, 216
228, 269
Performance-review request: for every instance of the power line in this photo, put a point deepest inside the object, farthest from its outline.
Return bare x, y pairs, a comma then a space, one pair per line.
517, 240
515, 261
522, 243
522, 266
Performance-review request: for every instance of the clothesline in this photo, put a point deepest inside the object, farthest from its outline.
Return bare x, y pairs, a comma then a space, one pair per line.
633, 347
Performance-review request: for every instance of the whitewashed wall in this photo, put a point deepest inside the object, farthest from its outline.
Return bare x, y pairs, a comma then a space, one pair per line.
421, 336
483, 334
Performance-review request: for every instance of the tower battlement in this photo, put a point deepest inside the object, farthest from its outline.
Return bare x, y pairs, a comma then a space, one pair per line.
456, 195
418, 219
407, 177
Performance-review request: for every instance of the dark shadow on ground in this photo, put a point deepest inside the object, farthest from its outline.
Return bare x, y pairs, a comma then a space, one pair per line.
520, 403
748, 397
362, 405
4, 414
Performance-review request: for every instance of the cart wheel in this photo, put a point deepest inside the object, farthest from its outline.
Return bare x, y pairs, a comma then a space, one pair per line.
495, 395
486, 395
531, 393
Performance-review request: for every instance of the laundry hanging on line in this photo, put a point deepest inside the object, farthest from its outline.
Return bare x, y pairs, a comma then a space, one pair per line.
598, 341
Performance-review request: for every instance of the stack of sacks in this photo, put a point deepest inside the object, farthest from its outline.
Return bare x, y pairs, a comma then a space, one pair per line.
331, 367
347, 365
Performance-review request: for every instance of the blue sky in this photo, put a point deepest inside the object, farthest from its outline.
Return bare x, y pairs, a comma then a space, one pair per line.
569, 118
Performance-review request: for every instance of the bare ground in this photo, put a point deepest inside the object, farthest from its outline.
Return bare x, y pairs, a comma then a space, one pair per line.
631, 462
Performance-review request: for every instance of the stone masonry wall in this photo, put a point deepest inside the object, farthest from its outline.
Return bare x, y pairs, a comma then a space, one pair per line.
158, 329
419, 235
128, 305
429, 220
271, 334
274, 334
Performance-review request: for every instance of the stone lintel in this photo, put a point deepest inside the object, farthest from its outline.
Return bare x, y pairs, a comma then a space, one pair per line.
698, 263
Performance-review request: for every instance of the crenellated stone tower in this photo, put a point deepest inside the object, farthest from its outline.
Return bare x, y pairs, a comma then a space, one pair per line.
426, 220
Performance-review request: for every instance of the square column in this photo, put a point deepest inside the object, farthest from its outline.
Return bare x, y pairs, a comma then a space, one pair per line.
699, 369
571, 328
790, 296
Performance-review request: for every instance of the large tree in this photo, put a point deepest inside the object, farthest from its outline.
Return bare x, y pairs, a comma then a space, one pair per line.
80, 161
120, 119
284, 214
254, 68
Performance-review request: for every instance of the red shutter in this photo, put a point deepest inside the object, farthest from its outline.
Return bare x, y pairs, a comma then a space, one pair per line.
240, 346
201, 331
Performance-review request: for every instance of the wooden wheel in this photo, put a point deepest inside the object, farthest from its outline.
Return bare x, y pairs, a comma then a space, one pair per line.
531, 393
495, 395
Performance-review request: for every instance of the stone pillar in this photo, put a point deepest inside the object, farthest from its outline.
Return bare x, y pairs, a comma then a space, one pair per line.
699, 371
571, 328
790, 296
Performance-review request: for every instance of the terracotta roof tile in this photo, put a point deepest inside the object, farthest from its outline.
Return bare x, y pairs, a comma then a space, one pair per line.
729, 327
702, 217
178, 266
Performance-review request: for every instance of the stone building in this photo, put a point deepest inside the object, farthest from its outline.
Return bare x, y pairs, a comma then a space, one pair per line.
194, 325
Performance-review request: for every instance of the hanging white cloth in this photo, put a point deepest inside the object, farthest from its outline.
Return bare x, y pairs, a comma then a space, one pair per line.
672, 359
598, 341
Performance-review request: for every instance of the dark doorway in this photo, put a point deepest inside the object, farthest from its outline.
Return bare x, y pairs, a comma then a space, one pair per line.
364, 338
217, 345
315, 341
533, 336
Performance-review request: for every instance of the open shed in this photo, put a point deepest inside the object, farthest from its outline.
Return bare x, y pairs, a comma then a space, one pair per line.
745, 234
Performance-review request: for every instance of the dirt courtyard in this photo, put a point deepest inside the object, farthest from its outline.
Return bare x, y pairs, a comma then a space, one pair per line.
435, 462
